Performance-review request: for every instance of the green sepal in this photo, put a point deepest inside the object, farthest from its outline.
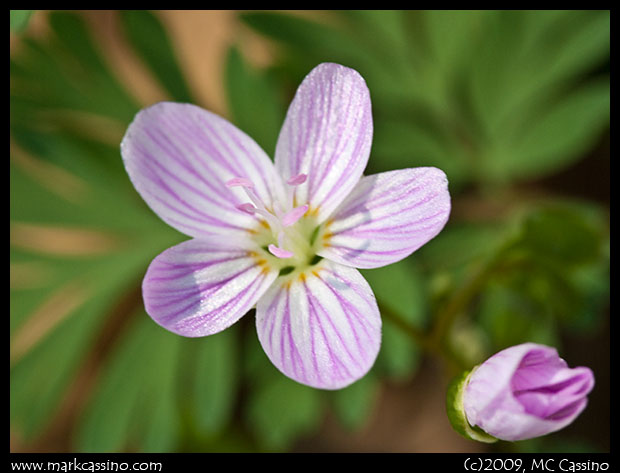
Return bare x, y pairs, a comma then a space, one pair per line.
456, 413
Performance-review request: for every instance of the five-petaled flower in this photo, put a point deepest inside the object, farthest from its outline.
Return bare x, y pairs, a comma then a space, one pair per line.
285, 238
525, 391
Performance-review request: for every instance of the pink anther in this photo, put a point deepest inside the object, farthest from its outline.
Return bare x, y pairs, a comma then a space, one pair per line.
279, 252
294, 215
298, 179
247, 208
239, 181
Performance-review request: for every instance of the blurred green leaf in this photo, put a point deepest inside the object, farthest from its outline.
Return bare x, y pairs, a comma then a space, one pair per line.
255, 104
593, 285
558, 135
257, 368
215, 364
460, 244
399, 288
40, 378
65, 71
402, 143
44, 366
354, 403
94, 278
554, 272
318, 40
507, 93
19, 19
135, 402
564, 235
510, 316
149, 38
449, 32
385, 32
562, 48
282, 410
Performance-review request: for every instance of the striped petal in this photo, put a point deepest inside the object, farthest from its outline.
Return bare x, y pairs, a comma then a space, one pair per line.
179, 158
201, 287
387, 217
322, 328
326, 135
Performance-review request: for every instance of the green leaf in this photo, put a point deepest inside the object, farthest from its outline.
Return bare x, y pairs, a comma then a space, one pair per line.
385, 32
563, 47
282, 410
490, 73
354, 403
456, 413
316, 39
84, 285
402, 142
593, 286
58, 351
255, 104
559, 135
135, 400
525, 57
399, 288
510, 314
19, 19
451, 34
308, 43
460, 244
40, 378
563, 235
65, 71
215, 379
554, 271
148, 37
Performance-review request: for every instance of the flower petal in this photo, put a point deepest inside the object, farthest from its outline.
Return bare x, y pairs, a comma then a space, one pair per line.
201, 287
327, 135
322, 328
388, 216
179, 157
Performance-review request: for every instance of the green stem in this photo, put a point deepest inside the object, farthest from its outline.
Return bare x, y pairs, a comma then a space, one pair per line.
412, 332
434, 341
464, 295
421, 339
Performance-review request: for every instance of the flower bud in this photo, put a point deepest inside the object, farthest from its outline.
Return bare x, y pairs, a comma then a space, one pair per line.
522, 392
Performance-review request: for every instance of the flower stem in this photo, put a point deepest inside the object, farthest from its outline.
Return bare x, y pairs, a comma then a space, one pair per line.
433, 341
461, 299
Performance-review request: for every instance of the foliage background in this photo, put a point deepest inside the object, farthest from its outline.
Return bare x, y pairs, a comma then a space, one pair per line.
512, 105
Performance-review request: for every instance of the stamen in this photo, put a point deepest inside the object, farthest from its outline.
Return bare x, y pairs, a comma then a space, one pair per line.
279, 252
279, 220
294, 215
254, 198
294, 181
298, 179
259, 206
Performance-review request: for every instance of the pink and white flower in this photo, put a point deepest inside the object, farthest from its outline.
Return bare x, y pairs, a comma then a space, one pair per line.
283, 237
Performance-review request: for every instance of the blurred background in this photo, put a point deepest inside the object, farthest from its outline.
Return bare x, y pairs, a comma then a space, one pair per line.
512, 105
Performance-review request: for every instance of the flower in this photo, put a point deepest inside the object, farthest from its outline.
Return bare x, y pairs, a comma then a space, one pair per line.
285, 238
525, 391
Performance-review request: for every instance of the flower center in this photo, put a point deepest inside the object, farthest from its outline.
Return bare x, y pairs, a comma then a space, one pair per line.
287, 234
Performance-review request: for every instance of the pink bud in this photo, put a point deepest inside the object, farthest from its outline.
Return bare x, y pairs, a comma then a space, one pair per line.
525, 391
